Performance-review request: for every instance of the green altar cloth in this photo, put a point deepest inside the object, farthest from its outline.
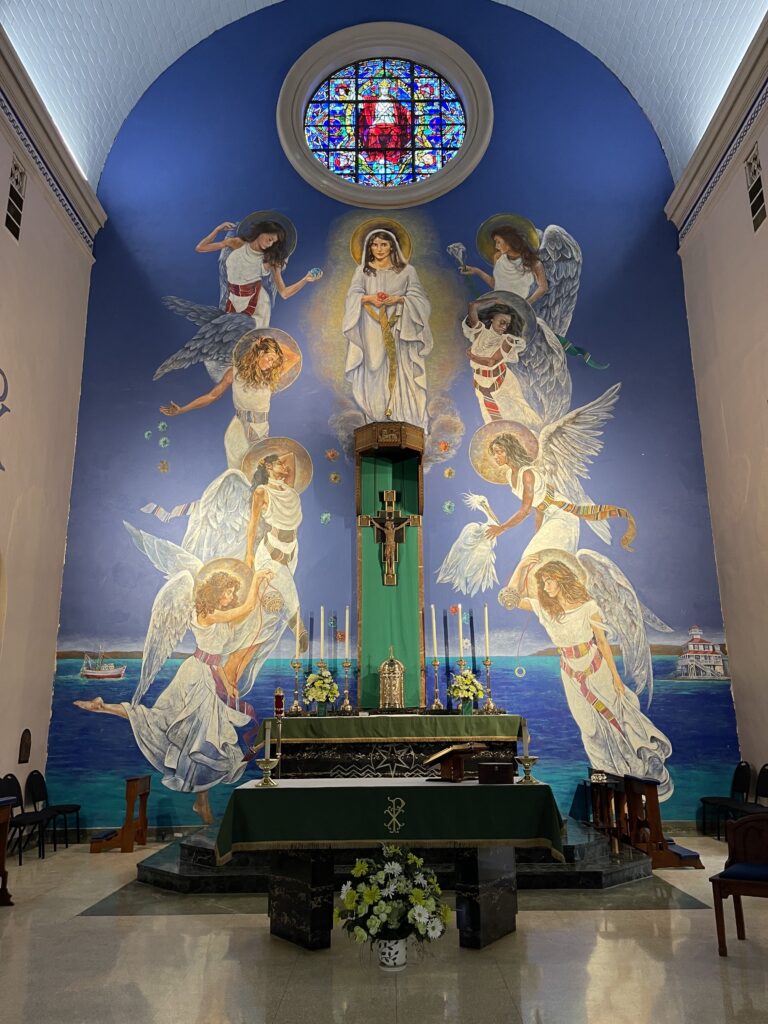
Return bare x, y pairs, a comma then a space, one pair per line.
397, 729
327, 813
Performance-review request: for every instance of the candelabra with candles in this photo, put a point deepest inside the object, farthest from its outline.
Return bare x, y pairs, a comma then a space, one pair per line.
526, 762
346, 706
267, 764
296, 709
490, 707
437, 704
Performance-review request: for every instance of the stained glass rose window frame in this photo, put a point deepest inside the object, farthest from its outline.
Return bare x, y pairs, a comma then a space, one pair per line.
368, 42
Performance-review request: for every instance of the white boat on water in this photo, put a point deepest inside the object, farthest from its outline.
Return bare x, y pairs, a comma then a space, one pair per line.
98, 668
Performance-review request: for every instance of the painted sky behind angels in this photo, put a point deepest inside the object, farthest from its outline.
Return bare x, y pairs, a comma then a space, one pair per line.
569, 149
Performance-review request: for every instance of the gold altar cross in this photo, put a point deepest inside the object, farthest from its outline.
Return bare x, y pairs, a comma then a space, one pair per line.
389, 528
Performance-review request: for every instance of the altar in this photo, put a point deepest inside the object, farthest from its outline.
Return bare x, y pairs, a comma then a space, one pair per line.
394, 745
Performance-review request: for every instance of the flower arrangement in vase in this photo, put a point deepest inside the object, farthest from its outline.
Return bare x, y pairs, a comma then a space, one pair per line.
320, 686
389, 900
465, 687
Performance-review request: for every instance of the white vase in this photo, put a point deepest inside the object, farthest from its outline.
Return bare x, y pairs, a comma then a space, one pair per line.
392, 954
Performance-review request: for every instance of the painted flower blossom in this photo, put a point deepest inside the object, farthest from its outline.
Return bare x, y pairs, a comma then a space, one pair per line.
335, 478
331, 454
164, 442
325, 518
449, 507
449, 472
162, 426
443, 446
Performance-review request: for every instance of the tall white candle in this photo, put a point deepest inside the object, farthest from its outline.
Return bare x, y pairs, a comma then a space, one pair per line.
346, 634
461, 635
322, 632
526, 738
298, 630
434, 634
267, 738
487, 640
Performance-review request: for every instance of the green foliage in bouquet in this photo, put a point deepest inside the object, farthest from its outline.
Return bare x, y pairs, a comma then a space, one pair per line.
320, 686
392, 897
465, 686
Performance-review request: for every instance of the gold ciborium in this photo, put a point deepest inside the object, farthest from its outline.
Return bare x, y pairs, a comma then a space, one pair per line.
267, 766
526, 764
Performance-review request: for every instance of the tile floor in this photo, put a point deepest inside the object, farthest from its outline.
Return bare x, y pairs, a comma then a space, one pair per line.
591, 959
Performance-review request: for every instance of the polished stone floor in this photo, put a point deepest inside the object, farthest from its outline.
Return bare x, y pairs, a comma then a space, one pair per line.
85, 944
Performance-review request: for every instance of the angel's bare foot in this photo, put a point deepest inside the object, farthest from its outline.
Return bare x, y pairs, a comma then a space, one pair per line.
97, 704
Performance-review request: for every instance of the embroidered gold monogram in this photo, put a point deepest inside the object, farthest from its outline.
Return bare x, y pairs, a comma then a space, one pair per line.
392, 814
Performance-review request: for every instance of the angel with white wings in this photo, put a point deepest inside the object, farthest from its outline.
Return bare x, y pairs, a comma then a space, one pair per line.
261, 362
584, 601
252, 256
543, 267
189, 734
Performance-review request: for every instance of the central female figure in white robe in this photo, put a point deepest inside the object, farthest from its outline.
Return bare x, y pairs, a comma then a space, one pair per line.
386, 324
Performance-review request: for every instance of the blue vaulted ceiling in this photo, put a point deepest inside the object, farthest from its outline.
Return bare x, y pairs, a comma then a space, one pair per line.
91, 60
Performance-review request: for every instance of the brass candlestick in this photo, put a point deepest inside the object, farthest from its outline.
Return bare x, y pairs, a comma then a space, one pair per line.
489, 708
437, 704
346, 707
267, 765
527, 763
296, 708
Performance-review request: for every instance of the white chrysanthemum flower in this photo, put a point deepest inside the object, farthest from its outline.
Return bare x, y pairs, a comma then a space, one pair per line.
435, 928
389, 889
393, 868
420, 880
345, 889
419, 915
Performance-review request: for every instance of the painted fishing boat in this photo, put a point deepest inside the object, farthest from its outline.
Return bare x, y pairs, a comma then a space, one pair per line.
98, 668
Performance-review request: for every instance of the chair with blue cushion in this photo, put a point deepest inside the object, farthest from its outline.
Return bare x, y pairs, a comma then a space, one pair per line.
745, 872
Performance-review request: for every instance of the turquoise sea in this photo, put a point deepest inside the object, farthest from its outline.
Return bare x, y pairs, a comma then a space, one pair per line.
90, 754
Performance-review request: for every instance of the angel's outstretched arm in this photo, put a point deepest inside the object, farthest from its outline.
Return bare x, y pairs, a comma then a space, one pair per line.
207, 244
542, 286
290, 358
522, 513
289, 461
199, 403
285, 291
478, 273
605, 649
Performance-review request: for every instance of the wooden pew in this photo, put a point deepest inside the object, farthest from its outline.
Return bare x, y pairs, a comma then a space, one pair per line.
134, 828
644, 827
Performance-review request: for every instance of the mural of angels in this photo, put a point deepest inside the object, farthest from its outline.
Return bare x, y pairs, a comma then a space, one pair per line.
189, 735
262, 362
252, 256
386, 324
543, 267
581, 600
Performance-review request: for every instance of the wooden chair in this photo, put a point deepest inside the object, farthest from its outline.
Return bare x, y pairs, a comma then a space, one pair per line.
745, 872
134, 829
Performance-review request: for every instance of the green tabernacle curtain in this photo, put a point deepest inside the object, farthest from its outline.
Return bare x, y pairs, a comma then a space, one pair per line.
389, 615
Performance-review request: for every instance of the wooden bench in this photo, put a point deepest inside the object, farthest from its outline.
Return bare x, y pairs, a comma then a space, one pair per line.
134, 828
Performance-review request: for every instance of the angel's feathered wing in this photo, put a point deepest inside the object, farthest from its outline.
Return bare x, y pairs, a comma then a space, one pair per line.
171, 615
625, 615
218, 524
560, 255
543, 373
166, 556
568, 447
470, 565
214, 342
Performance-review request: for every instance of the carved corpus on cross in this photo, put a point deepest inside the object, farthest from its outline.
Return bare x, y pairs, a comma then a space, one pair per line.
389, 528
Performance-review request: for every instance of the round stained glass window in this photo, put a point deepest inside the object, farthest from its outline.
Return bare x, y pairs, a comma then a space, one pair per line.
384, 122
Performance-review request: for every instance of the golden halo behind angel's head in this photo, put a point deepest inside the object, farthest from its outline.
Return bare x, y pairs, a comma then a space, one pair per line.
394, 227
524, 227
566, 558
280, 446
284, 341
234, 568
247, 224
484, 463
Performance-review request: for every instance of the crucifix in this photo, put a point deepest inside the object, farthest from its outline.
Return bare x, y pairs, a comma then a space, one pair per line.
389, 527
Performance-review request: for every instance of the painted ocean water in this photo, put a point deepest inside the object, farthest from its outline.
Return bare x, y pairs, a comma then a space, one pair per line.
91, 754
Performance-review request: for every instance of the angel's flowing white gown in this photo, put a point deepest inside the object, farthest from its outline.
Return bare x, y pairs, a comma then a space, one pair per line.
189, 735
559, 529
511, 276
250, 423
245, 269
617, 736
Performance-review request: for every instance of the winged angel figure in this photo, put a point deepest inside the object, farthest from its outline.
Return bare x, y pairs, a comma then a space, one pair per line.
189, 734
584, 601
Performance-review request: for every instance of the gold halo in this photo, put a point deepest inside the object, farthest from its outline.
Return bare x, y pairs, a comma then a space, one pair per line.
515, 302
285, 341
521, 225
242, 572
280, 446
480, 457
558, 555
394, 227
287, 225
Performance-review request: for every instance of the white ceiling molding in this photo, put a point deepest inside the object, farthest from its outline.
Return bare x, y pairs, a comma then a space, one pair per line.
377, 39
676, 57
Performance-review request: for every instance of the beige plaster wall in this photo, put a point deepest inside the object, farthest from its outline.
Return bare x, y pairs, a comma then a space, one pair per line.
725, 264
44, 280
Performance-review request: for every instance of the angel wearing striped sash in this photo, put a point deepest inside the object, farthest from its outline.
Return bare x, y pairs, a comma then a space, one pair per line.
583, 601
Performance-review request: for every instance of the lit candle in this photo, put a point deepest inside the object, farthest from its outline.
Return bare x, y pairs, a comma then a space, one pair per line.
434, 634
346, 634
267, 737
526, 738
461, 635
322, 632
298, 630
487, 641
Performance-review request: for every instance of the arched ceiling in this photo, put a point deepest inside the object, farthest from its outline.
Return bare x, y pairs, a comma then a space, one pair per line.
91, 60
